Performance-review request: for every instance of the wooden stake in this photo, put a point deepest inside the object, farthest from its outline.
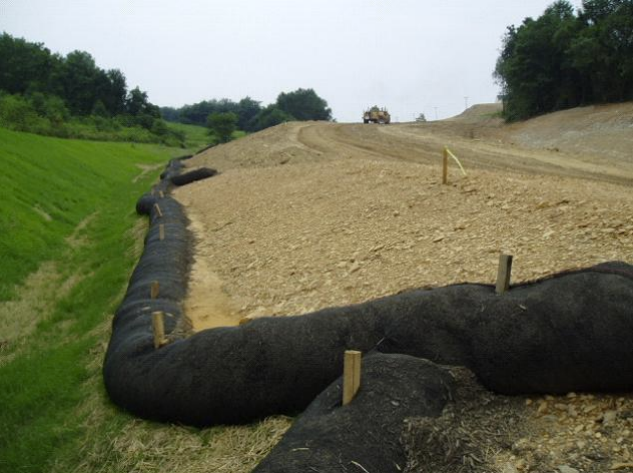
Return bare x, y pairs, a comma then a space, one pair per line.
351, 375
161, 232
158, 210
154, 290
158, 326
504, 273
445, 166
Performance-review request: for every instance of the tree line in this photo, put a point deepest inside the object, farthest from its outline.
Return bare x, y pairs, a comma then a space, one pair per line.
249, 114
566, 59
71, 96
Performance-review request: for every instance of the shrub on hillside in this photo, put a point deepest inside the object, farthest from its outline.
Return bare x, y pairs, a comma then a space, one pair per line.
47, 115
222, 126
270, 116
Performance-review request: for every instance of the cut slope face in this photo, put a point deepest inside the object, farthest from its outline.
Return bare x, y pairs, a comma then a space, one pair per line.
483, 112
604, 131
600, 131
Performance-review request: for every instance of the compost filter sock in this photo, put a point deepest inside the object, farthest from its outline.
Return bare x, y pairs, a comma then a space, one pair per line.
365, 434
569, 332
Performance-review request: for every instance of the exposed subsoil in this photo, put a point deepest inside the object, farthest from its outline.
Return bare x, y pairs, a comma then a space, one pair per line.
310, 215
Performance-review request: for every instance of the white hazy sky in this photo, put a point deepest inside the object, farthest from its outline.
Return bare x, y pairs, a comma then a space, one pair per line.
412, 56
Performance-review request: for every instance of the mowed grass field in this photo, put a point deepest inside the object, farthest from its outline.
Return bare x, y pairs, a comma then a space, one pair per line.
197, 137
69, 238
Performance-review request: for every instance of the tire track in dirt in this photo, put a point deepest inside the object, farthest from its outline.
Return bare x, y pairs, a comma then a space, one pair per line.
422, 143
494, 151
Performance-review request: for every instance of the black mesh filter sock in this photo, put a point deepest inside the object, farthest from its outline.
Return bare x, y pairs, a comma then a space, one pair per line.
569, 332
366, 433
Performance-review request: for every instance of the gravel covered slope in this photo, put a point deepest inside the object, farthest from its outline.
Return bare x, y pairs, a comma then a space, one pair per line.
298, 221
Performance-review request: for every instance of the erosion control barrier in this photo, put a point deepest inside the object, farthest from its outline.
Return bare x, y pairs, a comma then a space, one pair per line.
569, 332
192, 176
364, 435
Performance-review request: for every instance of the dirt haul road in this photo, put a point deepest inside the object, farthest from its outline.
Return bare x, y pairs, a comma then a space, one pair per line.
484, 145
310, 215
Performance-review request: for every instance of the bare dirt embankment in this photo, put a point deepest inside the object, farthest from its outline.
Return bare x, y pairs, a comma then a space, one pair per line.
309, 215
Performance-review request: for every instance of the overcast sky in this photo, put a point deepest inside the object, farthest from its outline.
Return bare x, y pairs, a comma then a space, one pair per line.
411, 56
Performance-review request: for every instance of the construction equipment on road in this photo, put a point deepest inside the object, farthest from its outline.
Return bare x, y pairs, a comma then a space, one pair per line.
377, 115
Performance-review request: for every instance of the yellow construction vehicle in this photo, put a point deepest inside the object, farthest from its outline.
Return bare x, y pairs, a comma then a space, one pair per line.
377, 115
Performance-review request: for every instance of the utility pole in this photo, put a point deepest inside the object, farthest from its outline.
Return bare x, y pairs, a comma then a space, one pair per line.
465, 102
435, 112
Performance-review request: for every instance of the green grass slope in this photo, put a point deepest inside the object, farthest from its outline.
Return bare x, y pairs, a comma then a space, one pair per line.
51, 341
197, 137
50, 185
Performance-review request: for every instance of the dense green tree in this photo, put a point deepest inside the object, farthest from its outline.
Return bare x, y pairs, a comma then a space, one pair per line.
171, 114
533, 66
27, 68
222, 125
304, 104
137, 104
70, 96
115, 92
247, 111
562, 60
24, 66
603, 51
197, 113
99, 109
595, 11
80, 79
270, 116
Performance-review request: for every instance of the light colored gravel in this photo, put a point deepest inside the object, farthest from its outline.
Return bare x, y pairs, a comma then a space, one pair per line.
289, 239
306, 216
